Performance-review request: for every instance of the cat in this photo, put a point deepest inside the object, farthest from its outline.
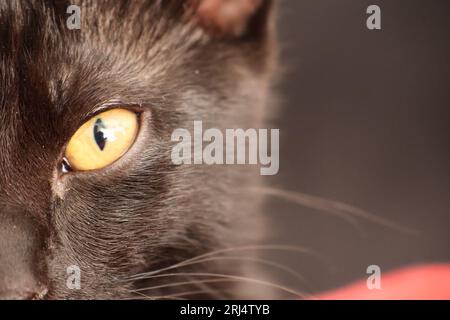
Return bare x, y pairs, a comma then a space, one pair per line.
134, 228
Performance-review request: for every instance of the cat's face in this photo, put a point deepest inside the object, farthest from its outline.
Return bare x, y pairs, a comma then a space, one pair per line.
168, 63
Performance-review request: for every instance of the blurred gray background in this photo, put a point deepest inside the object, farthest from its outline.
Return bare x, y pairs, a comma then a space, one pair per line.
365, 121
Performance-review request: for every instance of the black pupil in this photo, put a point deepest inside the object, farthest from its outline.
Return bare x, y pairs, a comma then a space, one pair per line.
99, 136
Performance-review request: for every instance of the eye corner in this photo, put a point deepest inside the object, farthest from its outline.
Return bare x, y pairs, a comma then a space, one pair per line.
64, 166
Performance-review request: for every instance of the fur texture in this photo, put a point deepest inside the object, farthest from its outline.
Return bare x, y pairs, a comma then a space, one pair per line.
142, 213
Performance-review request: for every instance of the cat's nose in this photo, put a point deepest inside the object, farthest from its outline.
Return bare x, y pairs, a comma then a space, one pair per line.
19, 249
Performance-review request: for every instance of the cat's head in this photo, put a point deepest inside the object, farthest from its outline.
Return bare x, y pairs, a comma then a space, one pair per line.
159, 64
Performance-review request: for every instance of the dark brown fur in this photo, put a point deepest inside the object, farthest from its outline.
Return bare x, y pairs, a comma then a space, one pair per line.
141, 213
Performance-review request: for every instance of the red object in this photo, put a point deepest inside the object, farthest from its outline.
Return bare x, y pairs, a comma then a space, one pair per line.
427, 282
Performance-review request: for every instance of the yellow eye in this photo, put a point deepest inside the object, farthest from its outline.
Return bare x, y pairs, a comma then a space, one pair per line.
102, 140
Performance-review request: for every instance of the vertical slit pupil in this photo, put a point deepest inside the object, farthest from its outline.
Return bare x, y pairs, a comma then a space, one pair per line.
99, 135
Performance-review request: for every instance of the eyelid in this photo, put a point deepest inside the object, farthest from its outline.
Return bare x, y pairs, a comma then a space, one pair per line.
110, 105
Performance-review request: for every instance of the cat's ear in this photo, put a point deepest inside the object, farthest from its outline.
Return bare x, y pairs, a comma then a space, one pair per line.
233, 18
